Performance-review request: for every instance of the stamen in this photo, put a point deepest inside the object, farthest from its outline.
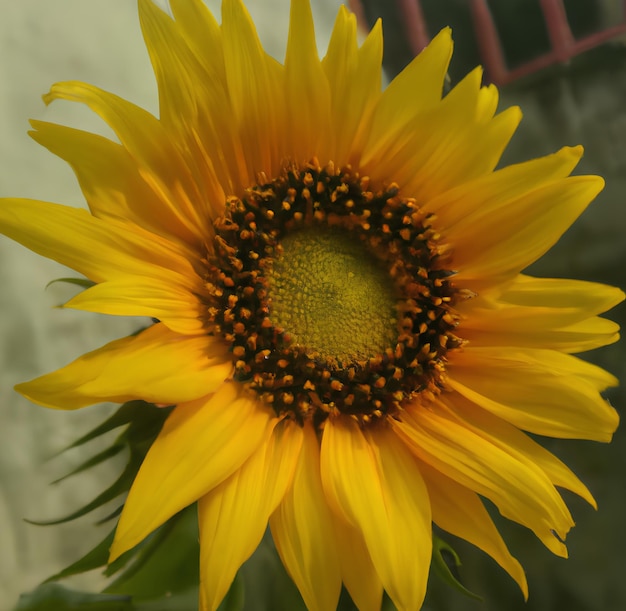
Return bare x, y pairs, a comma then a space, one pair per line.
333, 296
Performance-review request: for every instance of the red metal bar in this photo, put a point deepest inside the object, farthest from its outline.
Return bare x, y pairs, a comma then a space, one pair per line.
564, 45
488, 40
357, 8
414, 24
559, 31
580, 46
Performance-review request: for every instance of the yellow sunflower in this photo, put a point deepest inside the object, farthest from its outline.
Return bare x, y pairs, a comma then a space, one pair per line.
341, 321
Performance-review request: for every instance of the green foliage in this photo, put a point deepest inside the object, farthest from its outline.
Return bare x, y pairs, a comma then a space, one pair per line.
54, 597
162, 572
159, 574
82, 282
445, 563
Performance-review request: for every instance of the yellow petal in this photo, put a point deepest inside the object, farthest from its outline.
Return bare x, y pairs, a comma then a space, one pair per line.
355, 78
358, 571
173, 63
537, 303
515, 233
110, 179
511, 439
194, 107
256, 87
302, 529
308, 94
202, 443
371, 479
541, 391
543, 313
175, 306
521, 490
233, 516
589, 297
530, 328
146, 140
201, 32
429, 155
505, 184
460, 512
416, 89
180, 369
100, 250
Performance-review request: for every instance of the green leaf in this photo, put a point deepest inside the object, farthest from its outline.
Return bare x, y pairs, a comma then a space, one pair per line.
114, 514
54, 597
162, 572
181, 601
235, 597
144, 422
82, 282
444, 560
94, 559
166, 563
129, 412
110, 452
122, 484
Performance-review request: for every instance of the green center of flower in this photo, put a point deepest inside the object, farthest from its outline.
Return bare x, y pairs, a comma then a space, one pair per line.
332, 297
331, 294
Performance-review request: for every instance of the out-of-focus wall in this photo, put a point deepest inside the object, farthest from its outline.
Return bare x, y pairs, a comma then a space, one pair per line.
41, 42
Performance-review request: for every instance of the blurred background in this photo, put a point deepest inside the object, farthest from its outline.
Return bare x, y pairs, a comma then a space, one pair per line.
563, 62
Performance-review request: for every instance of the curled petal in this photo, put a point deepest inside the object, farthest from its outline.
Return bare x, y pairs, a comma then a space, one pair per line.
181, 369
460, 511
521, 490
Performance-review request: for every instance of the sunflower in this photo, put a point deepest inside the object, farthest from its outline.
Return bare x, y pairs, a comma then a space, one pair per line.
341, 321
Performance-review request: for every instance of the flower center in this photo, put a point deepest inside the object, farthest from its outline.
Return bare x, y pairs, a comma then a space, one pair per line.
332, 297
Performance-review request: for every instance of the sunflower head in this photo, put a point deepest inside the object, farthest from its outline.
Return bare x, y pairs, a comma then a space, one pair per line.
341, 321
332, 296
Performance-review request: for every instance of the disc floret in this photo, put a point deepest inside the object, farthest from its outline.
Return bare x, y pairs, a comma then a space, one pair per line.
331, 294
